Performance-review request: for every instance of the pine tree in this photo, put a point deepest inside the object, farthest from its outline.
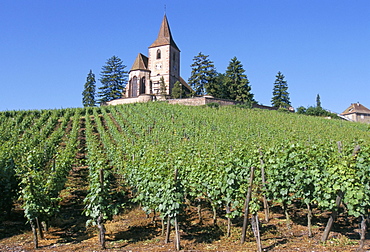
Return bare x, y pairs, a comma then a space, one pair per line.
88, 95
280, 95
178, 91
113, 78
202, 74
237, 84
162, 86
218, 88
318, 101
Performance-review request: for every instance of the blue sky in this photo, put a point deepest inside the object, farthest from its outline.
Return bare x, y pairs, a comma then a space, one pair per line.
322, 47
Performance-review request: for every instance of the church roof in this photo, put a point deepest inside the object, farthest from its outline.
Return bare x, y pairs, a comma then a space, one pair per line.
356, 108
141, 63
164, 35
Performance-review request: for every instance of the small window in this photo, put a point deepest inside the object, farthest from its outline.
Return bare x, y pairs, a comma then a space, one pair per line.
158, 54
174, 56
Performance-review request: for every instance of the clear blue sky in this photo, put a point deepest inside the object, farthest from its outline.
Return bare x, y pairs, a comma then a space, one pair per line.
322, 47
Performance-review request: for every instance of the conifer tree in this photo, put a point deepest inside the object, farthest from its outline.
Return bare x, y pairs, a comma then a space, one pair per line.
202, 74
113, 78
88, 95
237, 83
162, 86
280, 95
318, 101
178, 91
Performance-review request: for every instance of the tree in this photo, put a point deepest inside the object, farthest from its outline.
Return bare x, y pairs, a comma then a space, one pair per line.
162, 86
88, 95
178, 91
113, 78
237, 84
280, 95
318, 101
202, 74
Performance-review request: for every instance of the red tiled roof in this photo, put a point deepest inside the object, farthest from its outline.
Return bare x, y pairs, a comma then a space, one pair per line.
356, 108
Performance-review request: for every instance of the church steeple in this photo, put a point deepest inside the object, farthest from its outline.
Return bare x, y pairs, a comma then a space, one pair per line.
164, 35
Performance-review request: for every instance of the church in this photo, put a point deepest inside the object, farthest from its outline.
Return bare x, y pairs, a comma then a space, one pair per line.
145, 74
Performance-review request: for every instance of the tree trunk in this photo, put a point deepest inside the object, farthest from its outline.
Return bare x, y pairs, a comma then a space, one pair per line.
287, 217
154, 219
101, 231
228, 220
34, 231
214, 215
363, 232
163, 227
246, 206
200, 212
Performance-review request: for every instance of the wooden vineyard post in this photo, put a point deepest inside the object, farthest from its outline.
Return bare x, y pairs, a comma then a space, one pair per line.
246, 206
168, 229
100, 220
332, 217
256, 231
265, 203
338, 200
33, 221
309, 218
177, 233
39, 228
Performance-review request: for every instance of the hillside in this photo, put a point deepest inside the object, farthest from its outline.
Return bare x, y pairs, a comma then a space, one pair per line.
191, 165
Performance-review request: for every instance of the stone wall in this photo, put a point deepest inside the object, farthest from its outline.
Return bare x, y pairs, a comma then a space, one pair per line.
140, 98
198, 101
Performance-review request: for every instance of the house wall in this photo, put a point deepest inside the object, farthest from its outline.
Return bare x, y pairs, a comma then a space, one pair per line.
365, 118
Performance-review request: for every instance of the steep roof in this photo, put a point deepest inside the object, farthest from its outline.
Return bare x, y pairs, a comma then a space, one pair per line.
356, 108
141, 63
164, 35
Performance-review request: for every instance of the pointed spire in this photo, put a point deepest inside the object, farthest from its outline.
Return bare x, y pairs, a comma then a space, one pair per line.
164, 35
141, 63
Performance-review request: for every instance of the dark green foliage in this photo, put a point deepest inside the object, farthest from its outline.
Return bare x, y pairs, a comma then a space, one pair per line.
318, 101
316, 111
202, 75
237, 83
162, 87
213, 105
88, 95
280, 95
218, 89
8, 184
178, 91
113, 78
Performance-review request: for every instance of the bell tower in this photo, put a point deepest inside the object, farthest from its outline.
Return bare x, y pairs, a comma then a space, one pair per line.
164, 59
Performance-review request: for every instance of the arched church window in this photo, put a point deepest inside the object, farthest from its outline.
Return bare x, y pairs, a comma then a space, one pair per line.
142, 86
134, 87
158, 54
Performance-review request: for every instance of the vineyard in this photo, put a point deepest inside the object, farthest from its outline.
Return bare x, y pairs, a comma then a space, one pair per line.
226, 172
